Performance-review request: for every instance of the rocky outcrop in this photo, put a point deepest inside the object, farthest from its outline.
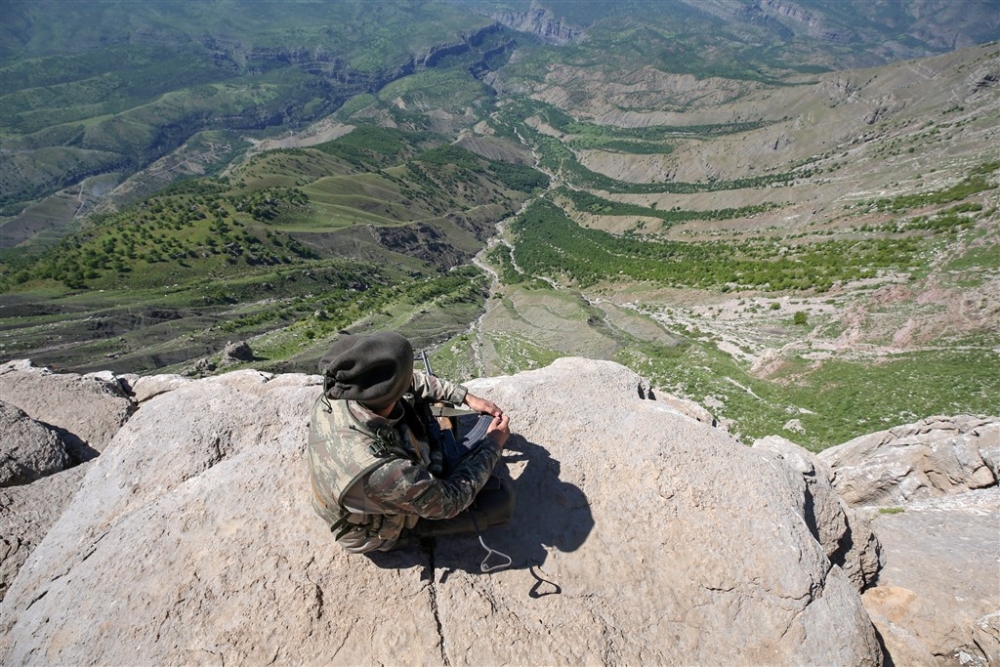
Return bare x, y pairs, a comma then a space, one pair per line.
26, 514
934, 457
641, 537
844, 534
937, 593
930, 494
28, 449
89, 409
541, 23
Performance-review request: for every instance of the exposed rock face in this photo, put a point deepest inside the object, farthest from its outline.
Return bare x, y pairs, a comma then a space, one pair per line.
642, 536
933, 457
28, 449
937, 593
26, 514
90, 407
932, 500
541, 23
845, 535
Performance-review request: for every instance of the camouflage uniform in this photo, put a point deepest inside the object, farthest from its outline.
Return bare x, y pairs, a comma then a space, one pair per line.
382, 493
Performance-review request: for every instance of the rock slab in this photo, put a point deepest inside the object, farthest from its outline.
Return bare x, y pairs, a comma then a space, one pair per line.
929, 492
29, 449
91, 407
27, 513
641, 537
940, 584
933, 457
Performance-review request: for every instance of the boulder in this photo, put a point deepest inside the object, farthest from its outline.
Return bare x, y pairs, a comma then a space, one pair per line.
237, 352
933, 457
151, 386
90, 408
26, 514
641, 537
28, 449
928, 490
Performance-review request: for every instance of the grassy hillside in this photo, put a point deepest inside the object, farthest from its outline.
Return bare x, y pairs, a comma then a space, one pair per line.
110, 87
825, 270
302, 241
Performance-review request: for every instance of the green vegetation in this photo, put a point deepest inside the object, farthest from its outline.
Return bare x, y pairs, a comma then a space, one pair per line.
840, 400
585, 201
371, 148
587, 132
550, 244
976, 181
271, 251
96, 88
375, 229
558, 158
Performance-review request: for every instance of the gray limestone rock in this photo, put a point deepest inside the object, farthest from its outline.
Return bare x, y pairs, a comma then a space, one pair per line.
936, 456
986, 637
90, 407
641, 537
28, 449
845, 536
938, 593
26, 514
151, 386
236, 352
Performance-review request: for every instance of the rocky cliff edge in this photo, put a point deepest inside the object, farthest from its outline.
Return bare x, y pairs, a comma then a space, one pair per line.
642, 536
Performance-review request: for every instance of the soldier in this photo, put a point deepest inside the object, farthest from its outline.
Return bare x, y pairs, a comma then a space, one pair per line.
379, 472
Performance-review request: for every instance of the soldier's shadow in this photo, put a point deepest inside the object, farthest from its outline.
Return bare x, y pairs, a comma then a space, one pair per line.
550, 514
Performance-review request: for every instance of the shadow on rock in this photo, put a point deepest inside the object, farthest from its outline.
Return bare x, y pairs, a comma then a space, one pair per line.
550, 514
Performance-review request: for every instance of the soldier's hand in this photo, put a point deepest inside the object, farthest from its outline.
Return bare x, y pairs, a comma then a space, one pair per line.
499, 430
482, 406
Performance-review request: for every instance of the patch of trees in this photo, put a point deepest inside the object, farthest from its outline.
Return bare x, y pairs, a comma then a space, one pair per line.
976, 181
192, 223
550, 244
585, 201
267, 204
372, 148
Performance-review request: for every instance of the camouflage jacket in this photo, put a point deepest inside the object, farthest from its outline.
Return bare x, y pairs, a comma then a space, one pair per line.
384, 489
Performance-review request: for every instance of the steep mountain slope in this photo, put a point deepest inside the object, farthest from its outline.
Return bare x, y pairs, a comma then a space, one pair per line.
799, 249
95, 93
827, 262
297, 242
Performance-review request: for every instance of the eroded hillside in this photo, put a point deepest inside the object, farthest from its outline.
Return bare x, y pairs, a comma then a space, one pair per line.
800, 250
821, 258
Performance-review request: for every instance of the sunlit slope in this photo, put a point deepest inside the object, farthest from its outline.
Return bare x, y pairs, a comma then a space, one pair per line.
823, 267
380, 212
98, 88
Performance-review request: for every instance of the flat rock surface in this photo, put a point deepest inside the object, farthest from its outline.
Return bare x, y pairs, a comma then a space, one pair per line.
641, 537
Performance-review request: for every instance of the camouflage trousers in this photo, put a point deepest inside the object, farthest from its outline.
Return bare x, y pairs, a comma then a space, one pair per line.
494, 504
